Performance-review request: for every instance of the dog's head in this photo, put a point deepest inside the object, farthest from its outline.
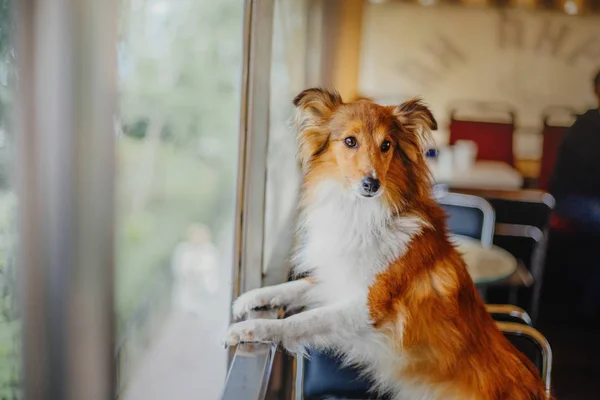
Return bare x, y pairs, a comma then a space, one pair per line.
372, 150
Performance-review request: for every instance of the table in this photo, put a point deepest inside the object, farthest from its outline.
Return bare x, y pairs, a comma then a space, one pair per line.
485, 265
482, 175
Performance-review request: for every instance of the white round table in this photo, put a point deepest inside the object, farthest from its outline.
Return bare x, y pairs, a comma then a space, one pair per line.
482, 175
485, 265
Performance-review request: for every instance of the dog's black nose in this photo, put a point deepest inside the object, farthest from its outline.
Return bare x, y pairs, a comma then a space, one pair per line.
371, 185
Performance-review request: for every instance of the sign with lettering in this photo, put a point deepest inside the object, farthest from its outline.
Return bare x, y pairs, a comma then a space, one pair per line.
528, 59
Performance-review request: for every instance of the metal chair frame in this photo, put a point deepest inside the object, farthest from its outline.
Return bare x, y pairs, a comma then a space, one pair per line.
510, 310
516, 329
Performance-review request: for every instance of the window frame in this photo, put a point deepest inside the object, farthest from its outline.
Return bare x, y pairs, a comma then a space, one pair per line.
254, 131
65, 181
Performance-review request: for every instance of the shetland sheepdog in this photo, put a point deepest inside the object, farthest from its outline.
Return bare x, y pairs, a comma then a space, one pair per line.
386, 288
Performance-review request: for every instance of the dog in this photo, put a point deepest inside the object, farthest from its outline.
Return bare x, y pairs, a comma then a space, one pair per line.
386, 289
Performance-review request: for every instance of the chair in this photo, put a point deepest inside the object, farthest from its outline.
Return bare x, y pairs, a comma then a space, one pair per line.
323, 375
552, 135
518, 207
522, 221
468, 215
527, 244
494, 138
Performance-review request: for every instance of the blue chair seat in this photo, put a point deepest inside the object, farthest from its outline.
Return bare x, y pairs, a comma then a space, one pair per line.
326, 377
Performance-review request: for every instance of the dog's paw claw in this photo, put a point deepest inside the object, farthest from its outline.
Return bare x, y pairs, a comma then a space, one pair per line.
251, 331
254, 300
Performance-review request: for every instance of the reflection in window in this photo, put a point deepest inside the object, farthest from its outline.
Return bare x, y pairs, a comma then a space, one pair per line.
289, 76
10, 326
180, 69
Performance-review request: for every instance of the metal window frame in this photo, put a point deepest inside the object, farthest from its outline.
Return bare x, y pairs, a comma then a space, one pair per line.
65, 183
250, 365
253, 145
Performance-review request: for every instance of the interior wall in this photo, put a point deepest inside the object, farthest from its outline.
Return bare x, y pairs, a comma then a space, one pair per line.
528, 59
342, 37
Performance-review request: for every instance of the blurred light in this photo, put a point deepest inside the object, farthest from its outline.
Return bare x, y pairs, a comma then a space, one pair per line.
378, 1
571, 8
427, 2
159, 7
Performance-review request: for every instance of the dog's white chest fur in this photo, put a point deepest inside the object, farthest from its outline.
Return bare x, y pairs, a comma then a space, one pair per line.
348, 240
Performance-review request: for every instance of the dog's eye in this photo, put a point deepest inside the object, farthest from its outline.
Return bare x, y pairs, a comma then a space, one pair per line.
385, 146
351, 142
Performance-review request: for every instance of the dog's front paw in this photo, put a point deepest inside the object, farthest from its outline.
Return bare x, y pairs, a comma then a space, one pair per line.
253, 331
257, 298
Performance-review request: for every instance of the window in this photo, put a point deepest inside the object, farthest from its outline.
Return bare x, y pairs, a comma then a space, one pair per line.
292, 64
10, 324
180, 67
183, 69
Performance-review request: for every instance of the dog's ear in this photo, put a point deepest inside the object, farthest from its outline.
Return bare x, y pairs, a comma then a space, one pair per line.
414, 114
315, 107
417, 122
317, 103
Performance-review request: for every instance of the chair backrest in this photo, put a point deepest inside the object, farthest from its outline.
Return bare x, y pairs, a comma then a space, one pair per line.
494, 139
468, 215
508, 313
527, 244
522, 241
518, 207
516, 212
533, 345
489, 124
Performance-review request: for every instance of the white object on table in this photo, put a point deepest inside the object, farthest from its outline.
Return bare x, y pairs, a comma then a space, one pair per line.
445, 162
485, 265
482, 175
465, 154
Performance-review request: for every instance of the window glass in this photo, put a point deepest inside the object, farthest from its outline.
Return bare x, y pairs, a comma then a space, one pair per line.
179, 89
10, 326
290, 74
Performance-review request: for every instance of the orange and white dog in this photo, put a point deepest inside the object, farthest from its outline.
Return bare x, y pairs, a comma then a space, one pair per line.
387, 289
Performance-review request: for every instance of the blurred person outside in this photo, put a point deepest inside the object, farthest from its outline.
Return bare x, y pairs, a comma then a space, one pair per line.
171, 367
195, 271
